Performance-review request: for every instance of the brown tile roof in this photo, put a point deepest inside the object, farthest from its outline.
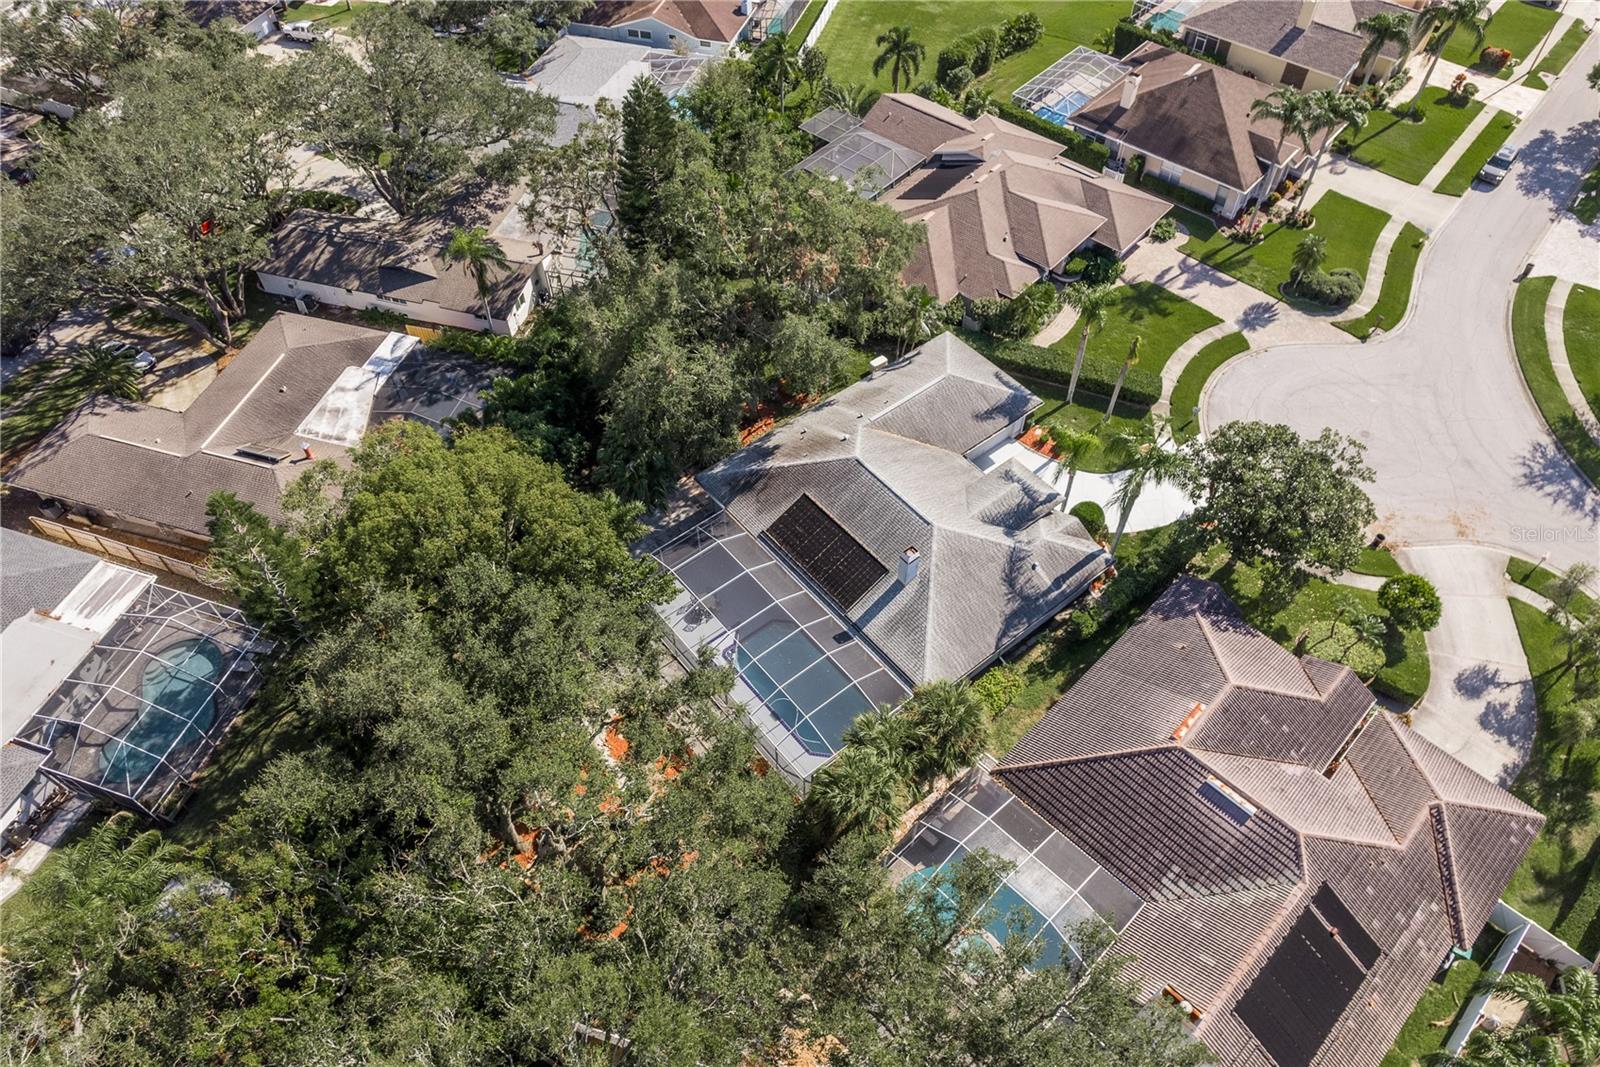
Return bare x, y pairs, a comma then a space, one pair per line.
916, 122
1416, 846
711, 20
375, 257
146, 462
1332, 45
1191, 112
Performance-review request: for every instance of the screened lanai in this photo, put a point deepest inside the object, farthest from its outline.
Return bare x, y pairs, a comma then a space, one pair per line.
145, 708
1069, 83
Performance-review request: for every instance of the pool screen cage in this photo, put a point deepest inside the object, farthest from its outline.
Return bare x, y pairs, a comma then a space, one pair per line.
1069, 83
145, 709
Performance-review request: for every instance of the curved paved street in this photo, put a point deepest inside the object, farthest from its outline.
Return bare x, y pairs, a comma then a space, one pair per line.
1459, 450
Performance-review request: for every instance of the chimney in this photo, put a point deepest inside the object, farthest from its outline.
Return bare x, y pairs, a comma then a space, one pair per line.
1130, 90
910, 563
306, 448
744, 7
1308, 12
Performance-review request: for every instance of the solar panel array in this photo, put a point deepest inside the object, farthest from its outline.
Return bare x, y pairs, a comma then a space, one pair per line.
1296, 999
839, 564
803, 675
1054, 886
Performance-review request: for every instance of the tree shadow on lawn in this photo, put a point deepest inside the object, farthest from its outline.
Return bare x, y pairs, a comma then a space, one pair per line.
1141, 301
1553, 165
1551, 471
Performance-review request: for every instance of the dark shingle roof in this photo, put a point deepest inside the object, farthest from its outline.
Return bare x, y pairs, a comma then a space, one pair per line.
1331, 45
18, 767
36, 574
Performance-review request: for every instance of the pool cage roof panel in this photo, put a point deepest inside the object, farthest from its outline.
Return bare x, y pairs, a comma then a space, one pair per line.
432, 390
674, 73
830, 124
868, 163
1054, 886
802, 676
145, 709
1076, 78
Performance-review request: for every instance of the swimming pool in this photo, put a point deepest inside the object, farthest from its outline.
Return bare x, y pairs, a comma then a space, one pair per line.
179, 684
1168, 20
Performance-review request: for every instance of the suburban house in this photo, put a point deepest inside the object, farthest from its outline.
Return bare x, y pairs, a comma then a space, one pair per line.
1001, 208
114, 687
1309, 44
581, 71
302, 389
1300, 863
358, 263
870, 544
710, 27
256, 18
1191, 122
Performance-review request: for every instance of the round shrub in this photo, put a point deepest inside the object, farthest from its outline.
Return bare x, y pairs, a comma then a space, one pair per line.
1334, 288
957, 79
1101, 269
1020, 32
997, 687
1165, 229
1092, 515
1411, 602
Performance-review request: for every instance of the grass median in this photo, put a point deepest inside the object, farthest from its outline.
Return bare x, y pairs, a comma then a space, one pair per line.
1581, 328
1483, 146
1556, 60
1533, 356
1395, 295
1192, 382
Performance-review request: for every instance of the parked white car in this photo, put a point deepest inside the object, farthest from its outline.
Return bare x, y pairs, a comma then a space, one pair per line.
306, 32
144, 361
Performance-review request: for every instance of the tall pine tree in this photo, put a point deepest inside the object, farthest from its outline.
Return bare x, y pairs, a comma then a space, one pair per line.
649, 157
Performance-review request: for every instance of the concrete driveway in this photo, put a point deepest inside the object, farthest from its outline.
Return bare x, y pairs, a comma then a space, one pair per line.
1480, 705
1460, 452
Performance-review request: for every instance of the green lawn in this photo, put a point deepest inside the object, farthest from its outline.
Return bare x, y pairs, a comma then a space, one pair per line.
1379, 563
1587, 205
1086, 413
1421, 1037
1144, 309
1408, 150
1486, 144
1395, 295
1192, 382
1350, 229
812, 13
1399, 668
1558, 884
1561, 53
1530, 575
43, 395
1517, 27
1533, 354
336, 16
850, 38
1581, 328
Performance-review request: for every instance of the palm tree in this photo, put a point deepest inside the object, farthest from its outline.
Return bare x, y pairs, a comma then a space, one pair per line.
900, 54
479, 252
1116, 390
777, 65
1309, 255
1071, 447
1091, 302
103, 372
1148, 463
953, 727
1291, 109
977, 102
891, 735
849, 98
1442, 20
1381, 30
1568, 1016
858, 790
1330, 111
923, 316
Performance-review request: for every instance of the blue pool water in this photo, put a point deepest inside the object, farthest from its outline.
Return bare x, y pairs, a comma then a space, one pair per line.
1170, 21
182, 686
1059, 111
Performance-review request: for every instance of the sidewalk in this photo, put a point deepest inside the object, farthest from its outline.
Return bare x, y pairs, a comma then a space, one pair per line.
1556, 339
1372, 288
1367, 185
1432, 179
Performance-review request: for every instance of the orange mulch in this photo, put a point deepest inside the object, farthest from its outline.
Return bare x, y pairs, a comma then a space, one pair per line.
616, 744
1039, 441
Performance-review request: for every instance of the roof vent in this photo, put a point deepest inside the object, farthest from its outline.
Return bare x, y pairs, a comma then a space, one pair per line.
910, 564
1194, 68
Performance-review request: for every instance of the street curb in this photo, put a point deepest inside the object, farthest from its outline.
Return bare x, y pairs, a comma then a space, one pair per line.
1527, 394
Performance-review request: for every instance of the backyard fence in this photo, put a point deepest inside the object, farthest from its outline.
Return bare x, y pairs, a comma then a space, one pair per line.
104, 546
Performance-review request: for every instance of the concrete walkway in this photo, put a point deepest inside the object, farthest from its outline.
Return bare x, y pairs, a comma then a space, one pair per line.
1480, 703
1158, 505
1377, 267
1432, 179
1179, 359
28, 858
1556, 339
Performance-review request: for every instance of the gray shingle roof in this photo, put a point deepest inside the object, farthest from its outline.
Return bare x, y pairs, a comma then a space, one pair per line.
1415, 844
1331, 45
150, 463
36, 574
885, 458
18, 767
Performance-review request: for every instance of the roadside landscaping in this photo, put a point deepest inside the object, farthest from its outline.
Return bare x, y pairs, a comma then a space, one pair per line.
1533, 355
850, 38
1587, 204
1561, 53
1517, 26
1350, 229
1192, 382
1558, 885
1378, 563
1483, 146
1405, 149
1395, 294
1143, 309
1581, 328
1531, 576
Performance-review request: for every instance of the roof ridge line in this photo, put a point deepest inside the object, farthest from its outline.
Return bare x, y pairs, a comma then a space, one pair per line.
1361, 780
1109, 754
1444, 856
1433, 784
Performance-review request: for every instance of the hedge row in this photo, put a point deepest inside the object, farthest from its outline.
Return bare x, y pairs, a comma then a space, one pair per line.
1129, 35
1077, 147
1176, 193
1159, 559
1099, 375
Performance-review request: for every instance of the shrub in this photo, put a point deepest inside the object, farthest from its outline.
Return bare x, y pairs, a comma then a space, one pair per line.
997, 687
1020, 32
325, 200
1022, 316
1165, 229
976, 51
1494, 58
1176, 193
1093, 517
377, 316
1411, 602
1101, 269
1129, 35
957, 80
1141, 388
1334, 288
1078, 148
1160, 558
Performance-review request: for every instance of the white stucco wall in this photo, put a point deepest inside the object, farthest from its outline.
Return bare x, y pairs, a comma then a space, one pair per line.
420, 310
661, 35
